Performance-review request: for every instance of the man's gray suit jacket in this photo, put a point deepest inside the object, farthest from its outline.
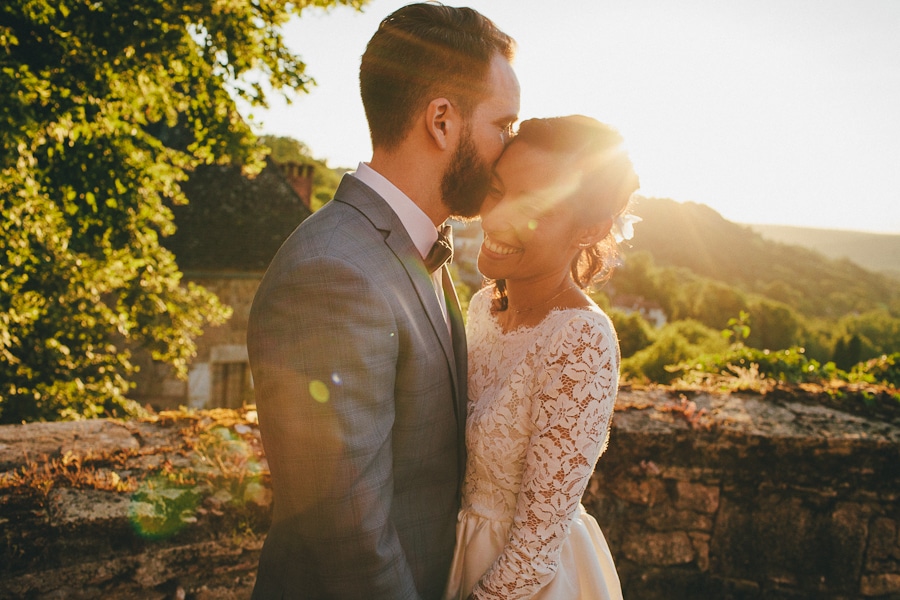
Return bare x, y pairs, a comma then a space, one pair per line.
361, 395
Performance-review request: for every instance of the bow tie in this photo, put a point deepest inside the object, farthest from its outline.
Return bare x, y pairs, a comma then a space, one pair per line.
442, 250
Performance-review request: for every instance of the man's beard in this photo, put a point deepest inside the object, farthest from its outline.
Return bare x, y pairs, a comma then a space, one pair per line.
466, 181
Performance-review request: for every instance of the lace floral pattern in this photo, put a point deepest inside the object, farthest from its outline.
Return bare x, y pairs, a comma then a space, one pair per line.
540, 404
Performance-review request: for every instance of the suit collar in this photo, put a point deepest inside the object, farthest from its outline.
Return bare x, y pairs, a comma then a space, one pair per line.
354, 192
417, 224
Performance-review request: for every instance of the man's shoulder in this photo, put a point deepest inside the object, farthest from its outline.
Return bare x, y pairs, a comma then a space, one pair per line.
337, 231
354, 205
334, 230
334, 214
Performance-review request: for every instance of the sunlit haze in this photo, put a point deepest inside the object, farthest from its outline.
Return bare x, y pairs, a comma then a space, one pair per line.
769, 111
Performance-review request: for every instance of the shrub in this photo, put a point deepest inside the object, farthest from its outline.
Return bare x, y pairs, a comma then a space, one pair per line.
884, 370
634, 332
790, 365
676, 343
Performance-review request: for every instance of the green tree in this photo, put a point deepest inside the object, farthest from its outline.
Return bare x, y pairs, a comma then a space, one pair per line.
637, 277
633, 330
840, 356
869, 334
716, 302
91, 92
774, 325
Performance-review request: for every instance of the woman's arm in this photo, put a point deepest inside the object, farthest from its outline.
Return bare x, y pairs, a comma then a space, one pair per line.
576, 387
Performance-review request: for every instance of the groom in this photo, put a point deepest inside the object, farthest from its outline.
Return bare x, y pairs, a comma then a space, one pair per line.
357, 350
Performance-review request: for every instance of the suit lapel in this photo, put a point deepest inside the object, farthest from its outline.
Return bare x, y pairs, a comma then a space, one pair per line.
355, 193
460, 377
458, 333
399, 242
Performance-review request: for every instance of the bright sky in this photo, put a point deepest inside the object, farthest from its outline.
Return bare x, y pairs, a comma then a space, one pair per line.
769, 111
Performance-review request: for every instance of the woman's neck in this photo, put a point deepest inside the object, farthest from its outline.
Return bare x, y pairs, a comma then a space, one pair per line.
528, 303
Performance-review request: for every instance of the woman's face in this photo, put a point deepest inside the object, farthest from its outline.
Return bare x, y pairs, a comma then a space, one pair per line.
529, 233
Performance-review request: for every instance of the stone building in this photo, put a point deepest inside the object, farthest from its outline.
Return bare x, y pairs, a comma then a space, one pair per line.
226, 237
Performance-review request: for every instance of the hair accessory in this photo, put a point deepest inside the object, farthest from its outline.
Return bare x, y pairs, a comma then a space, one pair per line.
623, 227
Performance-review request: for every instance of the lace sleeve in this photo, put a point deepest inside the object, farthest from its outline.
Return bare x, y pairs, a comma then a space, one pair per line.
576, 377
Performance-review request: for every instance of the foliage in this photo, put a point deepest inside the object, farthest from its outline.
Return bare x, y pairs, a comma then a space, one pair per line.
884, 370
869, 334
224, 470
774, 323
742, 367
790, 365
869, 388
676, 342
715, 302
93, 92
682, 294
70, 470
738, 328
633, 330
286, 149
325, 179
847, 352
745, 367
791, 316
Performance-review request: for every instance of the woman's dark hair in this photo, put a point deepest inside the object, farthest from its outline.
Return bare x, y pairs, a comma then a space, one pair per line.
595, 153
421, 52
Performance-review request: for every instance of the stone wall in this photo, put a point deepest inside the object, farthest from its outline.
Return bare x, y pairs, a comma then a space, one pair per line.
742, 497
701, 496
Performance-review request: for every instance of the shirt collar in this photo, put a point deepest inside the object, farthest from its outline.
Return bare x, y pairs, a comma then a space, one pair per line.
421, 230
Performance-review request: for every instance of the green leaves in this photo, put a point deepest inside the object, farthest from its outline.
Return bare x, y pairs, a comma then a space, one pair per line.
106, 108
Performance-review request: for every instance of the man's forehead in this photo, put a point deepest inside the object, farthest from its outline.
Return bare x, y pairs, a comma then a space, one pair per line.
503, 90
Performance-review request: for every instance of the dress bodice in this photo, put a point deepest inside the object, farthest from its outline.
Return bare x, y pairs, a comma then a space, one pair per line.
540, 403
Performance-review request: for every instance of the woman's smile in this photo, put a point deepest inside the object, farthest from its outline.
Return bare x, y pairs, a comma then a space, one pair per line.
497, 247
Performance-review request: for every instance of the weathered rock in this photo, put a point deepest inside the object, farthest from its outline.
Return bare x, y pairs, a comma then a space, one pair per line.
696, 497
776, 499
712, 496
885, 584
38, 441
660, 549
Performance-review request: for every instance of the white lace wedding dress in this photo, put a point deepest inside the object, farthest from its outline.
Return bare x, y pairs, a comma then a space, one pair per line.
540, 403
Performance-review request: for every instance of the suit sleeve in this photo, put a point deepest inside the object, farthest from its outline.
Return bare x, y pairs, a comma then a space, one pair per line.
324, 348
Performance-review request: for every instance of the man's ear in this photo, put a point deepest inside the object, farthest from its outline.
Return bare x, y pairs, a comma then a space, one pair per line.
593, 234
442, 122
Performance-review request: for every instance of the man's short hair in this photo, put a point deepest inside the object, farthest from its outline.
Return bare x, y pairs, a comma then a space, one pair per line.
421, 52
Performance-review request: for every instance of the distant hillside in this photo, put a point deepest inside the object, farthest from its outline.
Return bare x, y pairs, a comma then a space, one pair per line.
697, 238
874, 251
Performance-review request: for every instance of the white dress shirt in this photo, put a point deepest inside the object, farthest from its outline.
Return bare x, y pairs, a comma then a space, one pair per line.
417, 224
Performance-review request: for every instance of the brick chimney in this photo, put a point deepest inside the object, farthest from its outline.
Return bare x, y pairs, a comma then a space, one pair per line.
300, 178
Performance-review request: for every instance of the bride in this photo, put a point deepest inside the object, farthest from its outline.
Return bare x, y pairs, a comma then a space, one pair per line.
543, 367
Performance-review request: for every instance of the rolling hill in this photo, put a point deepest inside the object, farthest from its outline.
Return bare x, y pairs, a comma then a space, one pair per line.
696, 238
874, 251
